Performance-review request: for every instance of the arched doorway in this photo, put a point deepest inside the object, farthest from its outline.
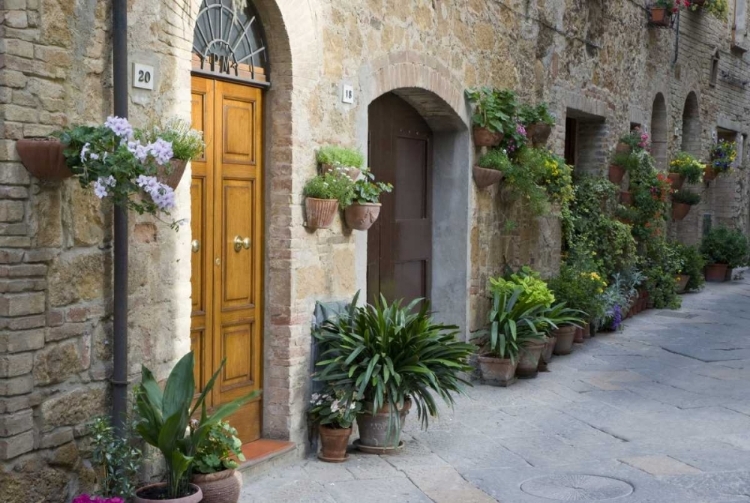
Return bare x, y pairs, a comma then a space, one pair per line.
230, 71
659, 145
691, 126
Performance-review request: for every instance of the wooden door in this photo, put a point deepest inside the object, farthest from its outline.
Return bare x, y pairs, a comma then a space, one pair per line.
399, 246
227, 233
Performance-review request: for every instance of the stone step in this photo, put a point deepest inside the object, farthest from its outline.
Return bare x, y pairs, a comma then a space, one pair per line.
265, 454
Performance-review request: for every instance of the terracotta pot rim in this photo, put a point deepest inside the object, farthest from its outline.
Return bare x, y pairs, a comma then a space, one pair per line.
209, 477
488, 358
329, 428
318, 199
198, 492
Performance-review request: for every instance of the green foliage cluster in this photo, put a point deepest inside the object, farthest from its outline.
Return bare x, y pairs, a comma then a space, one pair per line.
717, 8
534, 290
725, 246
116, 458
688, 166
340, 156
331, 186
513, 320
187, 143
219, 450
691, 263
660, 264
651, 191
522, 175
535, 114
579, 289
367, 190
686, 197
331, 408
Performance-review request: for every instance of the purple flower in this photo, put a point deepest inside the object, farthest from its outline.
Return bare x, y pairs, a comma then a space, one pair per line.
85, 498
161, 150
119, 126
520, 129
616, 317
162, 195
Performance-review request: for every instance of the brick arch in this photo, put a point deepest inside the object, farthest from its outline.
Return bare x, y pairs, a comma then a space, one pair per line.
691, 125
659, 131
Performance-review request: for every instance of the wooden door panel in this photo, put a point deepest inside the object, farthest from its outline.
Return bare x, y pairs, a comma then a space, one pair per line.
412, 279
238, 114
238, 285
411, 174
198, 264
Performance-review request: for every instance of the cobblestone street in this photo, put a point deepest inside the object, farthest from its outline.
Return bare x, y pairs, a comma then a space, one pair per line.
659, 412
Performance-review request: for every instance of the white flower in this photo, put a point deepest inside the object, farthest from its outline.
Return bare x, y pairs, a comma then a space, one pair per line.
100, 188
335, 406
315, 397
84, 151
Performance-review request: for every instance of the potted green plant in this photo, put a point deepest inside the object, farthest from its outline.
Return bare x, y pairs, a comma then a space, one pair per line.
115, 458
334, 415
692, 263
215, 462
490, 168
621, 163
165, 424
187, 144
340, 160
723, 155
635, 140
724, 249
488, 118
682, 201
563, 322
323, 194
685, 168
365, 206
538, 122
391, 357
661, 12
717, 8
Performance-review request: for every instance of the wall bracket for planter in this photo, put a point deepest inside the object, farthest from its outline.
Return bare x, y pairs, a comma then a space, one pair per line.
485, 177
44, 158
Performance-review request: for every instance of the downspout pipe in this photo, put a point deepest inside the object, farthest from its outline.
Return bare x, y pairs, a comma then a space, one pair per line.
120, 322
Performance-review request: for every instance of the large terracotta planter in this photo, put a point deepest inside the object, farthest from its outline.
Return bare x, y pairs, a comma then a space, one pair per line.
709, 174
333, 443
681, 281
677, 180
549, 347
582, 333
626, 198
44, 158
539, 133
320, 212
151, 493
171, 174
716, 273
361, 216
485, 177
564, 342
219, 487
679, 211
529, 355
616, 174
660, 16
350, 171
497, 371
375, 430
728, 276
483, 137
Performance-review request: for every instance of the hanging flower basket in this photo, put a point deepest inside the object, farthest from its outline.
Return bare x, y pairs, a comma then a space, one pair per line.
616, 174
484, 177
44, 158
676, 180
320, 212
483, 137
361, 216
679, 211
660, 16
170, 174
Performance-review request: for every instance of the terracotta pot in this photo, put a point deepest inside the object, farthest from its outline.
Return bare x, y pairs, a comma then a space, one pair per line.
361, 216
333, 443
564, 343
676, 180
44, 158
483, 137
616, 174
709, 174
539, 133
219, 487
681, 281
485, 177
579, 336
586, 331
320, 212
529, 355
144, 495
660, 16
679, 211
375, 429
497, 371
171, 174
623, 148
350, 171
728, 276
626, 198
716, 273
549, 348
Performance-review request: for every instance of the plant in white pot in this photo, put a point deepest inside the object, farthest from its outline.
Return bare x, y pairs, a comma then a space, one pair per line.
215, 463
392, 357
165, 424
365, 206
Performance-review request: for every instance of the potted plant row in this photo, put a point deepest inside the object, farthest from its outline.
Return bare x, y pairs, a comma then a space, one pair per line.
682, 201
724, 249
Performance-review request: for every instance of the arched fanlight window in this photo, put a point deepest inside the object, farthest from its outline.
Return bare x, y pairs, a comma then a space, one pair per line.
230, 43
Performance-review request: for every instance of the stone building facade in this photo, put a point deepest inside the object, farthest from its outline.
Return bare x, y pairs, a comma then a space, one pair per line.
598, 64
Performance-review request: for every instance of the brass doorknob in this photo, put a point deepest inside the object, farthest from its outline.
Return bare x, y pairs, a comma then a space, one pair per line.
195, 245
240, 243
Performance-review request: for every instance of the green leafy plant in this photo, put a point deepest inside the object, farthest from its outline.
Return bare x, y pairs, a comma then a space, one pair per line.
579, 290
531, 114
367, 190
686, 197
557, 179
559, 315
496, 159
636, 139
534, 290
340, 156
219, 449
626, 160
492, 110
116, 459
187, 143
331, 186
386, 353
717, 8
692, 263
333, 408
688, 166
725, 246
165, 419
659, 263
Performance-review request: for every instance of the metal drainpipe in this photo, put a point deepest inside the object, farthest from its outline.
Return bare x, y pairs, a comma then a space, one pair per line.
120, 323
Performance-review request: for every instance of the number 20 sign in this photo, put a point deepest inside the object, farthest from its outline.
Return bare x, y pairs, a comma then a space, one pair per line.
143, 76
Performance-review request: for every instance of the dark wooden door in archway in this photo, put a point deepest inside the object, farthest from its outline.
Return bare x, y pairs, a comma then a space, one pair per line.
399, 245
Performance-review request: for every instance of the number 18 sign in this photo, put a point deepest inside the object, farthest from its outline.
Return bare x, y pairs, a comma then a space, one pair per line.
143, 76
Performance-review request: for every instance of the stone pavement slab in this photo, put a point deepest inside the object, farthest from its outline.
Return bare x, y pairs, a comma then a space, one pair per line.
656, 413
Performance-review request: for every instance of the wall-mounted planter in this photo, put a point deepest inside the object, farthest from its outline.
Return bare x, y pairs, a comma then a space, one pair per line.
320, 212
485, 177
710, 174
539, 133
361, 216
679, 211
171, 174
660, 16
351, 171
616, 174
676, 180
626, 198
483, 137
44, 158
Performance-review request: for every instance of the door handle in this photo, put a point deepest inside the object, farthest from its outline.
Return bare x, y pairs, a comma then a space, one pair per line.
195, 245
240, 243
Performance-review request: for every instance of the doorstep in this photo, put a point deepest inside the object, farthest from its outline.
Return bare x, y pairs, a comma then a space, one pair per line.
264, 454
